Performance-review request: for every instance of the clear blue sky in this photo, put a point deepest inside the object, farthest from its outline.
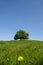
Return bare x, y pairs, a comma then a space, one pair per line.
21, 14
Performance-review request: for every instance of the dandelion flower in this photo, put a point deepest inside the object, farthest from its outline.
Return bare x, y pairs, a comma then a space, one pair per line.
20, 58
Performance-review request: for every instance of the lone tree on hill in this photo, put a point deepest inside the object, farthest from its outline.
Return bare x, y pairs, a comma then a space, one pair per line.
21, 34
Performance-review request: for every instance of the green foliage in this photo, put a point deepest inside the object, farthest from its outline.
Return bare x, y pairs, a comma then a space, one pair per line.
32, 52
21, 34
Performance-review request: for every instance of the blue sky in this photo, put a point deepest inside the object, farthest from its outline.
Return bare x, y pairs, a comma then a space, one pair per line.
21, 14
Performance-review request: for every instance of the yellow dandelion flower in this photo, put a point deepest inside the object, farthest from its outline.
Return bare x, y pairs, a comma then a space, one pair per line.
20, 58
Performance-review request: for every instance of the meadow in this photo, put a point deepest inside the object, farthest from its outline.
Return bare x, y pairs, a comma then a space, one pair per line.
30, 50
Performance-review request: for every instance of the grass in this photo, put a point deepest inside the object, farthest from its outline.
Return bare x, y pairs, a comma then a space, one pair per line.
32, 52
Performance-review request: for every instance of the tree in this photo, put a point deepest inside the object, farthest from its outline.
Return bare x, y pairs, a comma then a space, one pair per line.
21, 34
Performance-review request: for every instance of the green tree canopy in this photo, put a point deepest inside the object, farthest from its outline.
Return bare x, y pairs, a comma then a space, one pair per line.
21, 34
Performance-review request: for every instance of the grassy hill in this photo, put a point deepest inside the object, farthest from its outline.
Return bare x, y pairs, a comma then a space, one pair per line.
32, 52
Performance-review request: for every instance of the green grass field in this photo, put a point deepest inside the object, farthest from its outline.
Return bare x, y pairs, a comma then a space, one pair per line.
31, 50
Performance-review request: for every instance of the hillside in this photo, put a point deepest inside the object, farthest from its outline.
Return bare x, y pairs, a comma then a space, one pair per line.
32, 52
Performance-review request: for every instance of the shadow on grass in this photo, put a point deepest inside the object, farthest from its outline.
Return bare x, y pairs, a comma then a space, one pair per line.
40, 62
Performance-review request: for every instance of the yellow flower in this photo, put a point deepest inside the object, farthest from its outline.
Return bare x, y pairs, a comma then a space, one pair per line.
20, 58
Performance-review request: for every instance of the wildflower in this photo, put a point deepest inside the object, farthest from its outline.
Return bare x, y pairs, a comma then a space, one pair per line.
20, 58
